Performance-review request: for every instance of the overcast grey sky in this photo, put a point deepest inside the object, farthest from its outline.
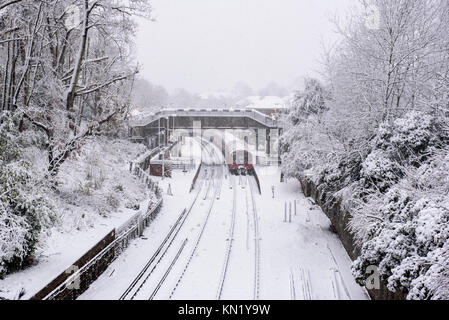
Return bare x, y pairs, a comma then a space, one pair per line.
209, 45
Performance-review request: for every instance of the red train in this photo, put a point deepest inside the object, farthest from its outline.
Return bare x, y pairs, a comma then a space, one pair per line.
242, 163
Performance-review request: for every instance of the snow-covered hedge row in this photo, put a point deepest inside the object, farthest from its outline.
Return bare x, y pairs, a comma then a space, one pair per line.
402, 224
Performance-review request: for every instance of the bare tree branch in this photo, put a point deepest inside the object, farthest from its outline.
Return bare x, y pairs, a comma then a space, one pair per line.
2, 6
100, 86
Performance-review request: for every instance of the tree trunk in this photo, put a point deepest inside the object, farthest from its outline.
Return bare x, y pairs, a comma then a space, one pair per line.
76, 71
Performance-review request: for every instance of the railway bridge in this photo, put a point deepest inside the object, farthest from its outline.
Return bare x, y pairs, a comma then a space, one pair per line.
253, 129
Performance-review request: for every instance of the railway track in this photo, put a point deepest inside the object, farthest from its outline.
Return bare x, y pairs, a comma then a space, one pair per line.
306, 285
292, 286
138, 282
340, 289
229, 246
197, 242
247, 219
256, 245
141, 279
159, 285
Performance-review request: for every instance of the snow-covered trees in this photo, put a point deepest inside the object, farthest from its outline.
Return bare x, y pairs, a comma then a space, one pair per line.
67, 81
380, 72
302, 141
66, 74
380, 144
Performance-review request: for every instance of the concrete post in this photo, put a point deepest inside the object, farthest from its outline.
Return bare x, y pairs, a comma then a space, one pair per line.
285, 211
223, 145
166, 130
163, 167
257, 147
139, 225
268, 149
279, 147
290, 212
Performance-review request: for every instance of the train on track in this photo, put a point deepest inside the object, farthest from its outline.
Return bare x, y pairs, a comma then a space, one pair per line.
242, 163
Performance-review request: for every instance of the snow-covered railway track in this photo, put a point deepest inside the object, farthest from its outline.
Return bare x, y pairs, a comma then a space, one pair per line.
306, 285
338, 283
170, 267
215, 175
197, 242
256, 245
229, 246
139, 281
292, 286
141, 285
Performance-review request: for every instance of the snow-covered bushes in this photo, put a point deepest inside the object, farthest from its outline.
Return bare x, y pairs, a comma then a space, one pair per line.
402, 237
380, 171
96, 181
24, 208
403, 216
411, 137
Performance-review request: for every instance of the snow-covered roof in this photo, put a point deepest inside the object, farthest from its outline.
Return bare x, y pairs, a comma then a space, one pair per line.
267, 102
140, 113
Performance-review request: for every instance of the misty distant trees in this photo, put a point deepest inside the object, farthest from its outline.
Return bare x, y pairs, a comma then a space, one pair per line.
147, 96
273, 89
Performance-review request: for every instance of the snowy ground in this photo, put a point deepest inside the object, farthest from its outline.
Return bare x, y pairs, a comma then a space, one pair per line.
231, 243
94, 192
302, 259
